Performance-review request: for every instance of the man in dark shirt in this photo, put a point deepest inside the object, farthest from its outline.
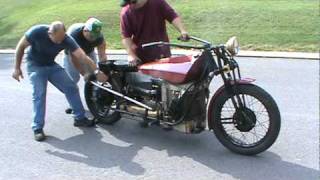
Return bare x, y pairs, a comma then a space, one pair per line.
144, 21
45, 44
88, 36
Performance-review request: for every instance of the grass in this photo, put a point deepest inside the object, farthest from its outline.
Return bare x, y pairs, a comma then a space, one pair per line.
284, 25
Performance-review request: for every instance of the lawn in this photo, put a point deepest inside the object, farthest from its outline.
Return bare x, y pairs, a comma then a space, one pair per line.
284, 25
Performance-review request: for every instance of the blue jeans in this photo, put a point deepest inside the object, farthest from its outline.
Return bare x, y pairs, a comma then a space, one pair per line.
56, 75
71, 70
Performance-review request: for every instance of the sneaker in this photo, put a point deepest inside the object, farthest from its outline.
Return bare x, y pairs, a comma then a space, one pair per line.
69, 111
39, 135
85, 122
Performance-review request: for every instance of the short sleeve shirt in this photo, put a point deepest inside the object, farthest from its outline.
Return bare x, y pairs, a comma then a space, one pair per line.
43, 50
148, 24
76, 30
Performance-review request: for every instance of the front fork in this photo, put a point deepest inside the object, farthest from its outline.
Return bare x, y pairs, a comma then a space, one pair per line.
232, 89
231, 75
238, 100
232, 79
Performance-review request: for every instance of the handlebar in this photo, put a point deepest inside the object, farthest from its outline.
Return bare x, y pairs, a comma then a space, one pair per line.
205, 45
161, 43
197, 39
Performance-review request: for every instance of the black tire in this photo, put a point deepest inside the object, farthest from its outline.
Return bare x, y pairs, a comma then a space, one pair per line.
99, 101
228, 138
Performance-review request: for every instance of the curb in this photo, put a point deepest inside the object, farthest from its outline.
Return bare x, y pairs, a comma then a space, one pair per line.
257, 54
274, 54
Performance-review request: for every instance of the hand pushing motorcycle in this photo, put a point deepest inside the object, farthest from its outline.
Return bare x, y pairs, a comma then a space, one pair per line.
175, 95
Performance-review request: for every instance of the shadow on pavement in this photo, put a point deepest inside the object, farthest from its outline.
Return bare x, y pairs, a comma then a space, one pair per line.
203, 148
88, 144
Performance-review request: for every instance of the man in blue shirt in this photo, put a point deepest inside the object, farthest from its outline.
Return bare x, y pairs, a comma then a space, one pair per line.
45, 44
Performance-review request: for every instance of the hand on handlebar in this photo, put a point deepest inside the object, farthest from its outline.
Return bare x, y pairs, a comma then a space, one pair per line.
134, 61
184, 36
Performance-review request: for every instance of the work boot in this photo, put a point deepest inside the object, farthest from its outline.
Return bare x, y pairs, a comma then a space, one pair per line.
85, 122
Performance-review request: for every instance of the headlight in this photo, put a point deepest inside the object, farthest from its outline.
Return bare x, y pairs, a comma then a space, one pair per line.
232, 46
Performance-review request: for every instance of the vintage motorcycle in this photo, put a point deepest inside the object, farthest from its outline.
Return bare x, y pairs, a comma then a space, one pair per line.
243, 116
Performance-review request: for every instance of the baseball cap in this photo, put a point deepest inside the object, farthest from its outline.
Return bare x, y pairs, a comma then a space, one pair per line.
94, 26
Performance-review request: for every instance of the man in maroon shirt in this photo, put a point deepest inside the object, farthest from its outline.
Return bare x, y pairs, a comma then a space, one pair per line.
144, 21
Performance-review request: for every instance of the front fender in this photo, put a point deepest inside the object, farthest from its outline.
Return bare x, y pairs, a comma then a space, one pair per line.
218, 93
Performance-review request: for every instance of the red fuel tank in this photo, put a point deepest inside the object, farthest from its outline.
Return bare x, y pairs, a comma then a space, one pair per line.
175, 70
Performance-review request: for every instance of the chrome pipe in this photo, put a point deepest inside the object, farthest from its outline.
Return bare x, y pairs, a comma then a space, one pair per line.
121, 95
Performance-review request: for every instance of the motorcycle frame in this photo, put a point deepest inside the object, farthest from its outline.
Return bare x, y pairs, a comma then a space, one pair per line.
224, 65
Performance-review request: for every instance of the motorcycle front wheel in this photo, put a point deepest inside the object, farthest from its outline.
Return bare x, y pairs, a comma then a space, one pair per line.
253, 126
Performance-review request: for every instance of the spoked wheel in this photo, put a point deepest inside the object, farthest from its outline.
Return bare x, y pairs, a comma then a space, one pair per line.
252, 127
101, 103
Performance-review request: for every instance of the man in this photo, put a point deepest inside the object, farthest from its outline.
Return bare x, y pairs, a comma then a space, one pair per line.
45, 44
144, 21
88, 36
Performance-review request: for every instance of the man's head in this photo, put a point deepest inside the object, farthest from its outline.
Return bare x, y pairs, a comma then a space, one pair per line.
92, 29
57, 32
135, 4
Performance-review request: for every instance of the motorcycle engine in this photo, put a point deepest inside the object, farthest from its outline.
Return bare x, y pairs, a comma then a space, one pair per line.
182, 107
185, 105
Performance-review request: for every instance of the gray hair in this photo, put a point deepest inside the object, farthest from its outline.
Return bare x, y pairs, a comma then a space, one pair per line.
56, 26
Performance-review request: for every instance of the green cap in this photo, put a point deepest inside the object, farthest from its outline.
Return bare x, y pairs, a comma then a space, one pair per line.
94, 26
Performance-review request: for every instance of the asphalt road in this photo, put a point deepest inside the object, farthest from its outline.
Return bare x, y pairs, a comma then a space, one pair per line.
126, 151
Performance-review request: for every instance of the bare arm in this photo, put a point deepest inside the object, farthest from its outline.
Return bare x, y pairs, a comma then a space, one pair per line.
102, 52
131, 48
86, 66
177, 23
82, 62
76, 64
22, 45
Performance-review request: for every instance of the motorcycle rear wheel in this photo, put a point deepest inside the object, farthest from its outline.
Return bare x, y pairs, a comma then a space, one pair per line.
100, 101
251, 129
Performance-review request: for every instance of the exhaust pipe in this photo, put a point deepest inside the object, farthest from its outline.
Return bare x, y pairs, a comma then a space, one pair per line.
121, 95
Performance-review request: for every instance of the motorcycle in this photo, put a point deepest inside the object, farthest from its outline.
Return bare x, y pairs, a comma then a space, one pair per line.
243, 116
